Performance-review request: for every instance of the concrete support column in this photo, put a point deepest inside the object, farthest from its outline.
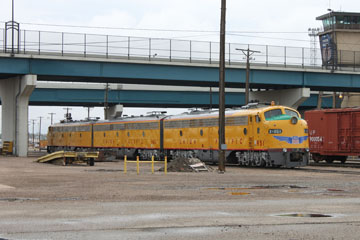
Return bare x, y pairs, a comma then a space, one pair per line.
114, 111
15, 94
351, 100
289, 97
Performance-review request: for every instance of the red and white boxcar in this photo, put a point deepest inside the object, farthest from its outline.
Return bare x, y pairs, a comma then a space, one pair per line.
334, 134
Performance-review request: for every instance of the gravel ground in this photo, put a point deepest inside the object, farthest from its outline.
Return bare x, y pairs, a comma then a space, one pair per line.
44, 201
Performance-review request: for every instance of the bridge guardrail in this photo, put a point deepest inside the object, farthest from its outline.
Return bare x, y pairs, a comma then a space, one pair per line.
161, 49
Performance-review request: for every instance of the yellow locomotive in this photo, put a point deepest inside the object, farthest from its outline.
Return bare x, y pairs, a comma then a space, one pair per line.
256, 135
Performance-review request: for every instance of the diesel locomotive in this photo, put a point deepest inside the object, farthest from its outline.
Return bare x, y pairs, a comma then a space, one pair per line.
256, 135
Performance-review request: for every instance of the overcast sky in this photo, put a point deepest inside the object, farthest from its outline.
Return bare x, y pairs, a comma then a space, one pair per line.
291, 17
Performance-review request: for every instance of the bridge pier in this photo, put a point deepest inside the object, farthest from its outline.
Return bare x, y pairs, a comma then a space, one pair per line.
15, 94
289, 97
351, 100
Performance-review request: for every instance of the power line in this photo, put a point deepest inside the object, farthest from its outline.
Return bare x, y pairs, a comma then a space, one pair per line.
231, 33
155, 29
276, 38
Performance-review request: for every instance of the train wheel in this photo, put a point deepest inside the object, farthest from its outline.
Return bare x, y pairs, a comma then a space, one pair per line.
342, 159
329, 160
317, 158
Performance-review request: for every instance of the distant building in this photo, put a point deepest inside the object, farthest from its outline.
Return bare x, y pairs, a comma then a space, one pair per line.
340, 39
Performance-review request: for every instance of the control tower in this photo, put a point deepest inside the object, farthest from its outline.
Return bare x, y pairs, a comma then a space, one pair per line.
340, 39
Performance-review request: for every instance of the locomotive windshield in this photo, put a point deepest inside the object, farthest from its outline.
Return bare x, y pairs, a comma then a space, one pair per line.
269, 115
291, 113
277, 114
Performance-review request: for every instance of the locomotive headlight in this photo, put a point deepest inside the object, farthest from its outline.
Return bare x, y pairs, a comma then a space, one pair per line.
284, 150
294, 120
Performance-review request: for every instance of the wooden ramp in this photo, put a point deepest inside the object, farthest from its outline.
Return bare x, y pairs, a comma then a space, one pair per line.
68, 158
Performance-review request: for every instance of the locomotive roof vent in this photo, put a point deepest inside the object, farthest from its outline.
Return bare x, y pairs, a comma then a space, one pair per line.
156, 113
201, 110
91, 119
256, 105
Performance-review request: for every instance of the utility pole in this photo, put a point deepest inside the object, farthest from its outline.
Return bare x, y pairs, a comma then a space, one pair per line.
51, 114
40, 132
319, 102
222, 146
106, 102
33, 132
210, 98
247, 53
88, 111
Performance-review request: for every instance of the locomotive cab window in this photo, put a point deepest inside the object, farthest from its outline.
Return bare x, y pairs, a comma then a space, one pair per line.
272, 113
291, 113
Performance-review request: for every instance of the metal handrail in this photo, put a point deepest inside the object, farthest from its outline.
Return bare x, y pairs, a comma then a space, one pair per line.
112, 46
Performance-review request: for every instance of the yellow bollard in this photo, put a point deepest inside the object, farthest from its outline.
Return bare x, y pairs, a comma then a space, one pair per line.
152, 164
137, 165
165, 167
125, 159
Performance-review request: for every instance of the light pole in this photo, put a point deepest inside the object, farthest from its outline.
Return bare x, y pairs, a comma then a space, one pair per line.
313, 33
12, 30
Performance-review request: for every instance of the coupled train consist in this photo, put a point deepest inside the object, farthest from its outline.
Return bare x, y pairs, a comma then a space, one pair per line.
257, 135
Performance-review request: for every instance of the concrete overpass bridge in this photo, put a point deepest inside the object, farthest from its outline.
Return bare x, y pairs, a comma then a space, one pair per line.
67, 57
129, 95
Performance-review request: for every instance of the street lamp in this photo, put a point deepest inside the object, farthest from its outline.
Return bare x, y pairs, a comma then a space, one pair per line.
13, 26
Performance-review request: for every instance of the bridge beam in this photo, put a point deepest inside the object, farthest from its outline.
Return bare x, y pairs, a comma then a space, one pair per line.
15, 93
289, 97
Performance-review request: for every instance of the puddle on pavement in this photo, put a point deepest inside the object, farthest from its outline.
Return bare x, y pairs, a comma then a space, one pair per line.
305, 215
335, 190
18, 199
67, 199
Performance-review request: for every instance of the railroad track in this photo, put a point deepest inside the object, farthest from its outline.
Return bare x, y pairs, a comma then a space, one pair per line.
349, 164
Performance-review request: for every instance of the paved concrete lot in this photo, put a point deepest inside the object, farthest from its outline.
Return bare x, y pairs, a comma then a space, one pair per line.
43, 201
